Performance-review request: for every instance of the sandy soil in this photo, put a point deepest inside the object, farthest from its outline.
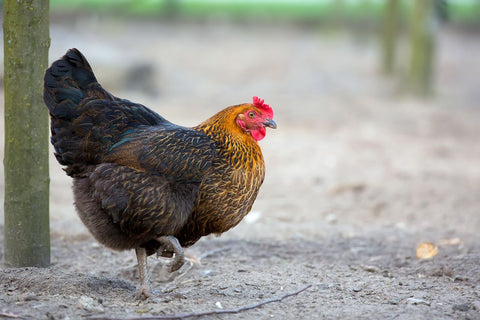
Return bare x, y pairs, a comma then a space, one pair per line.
358, 174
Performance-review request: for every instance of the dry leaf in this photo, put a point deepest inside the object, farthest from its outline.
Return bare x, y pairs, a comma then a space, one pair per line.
451, 242
426, 250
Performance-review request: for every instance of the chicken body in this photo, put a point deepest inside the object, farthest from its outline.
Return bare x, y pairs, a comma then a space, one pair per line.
141, 182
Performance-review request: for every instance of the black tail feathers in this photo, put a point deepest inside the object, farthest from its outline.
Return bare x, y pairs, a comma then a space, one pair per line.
68, 81
85, 119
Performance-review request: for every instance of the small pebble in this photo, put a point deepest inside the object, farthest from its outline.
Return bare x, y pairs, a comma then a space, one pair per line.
387, 274
462, 307
206, 273
331, 218
89, 304
460, 278
416, 301
372, 269
30, 297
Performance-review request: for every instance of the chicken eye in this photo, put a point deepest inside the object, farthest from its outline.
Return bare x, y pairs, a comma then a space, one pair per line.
251, 114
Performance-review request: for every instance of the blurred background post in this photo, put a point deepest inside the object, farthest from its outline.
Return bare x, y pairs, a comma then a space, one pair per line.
424, 27
389, 35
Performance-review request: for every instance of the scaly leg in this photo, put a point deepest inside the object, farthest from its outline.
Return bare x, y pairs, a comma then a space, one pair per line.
169, 246
146, 290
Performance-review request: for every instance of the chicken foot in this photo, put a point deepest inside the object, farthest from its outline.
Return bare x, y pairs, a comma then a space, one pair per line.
170, 247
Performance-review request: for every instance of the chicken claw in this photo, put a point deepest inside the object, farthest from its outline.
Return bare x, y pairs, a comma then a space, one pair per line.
170, 247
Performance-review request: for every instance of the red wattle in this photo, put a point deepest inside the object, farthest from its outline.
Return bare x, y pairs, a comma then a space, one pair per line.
258, 134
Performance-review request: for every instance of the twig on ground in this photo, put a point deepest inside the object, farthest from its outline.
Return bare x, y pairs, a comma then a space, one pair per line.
205, 313
10, 315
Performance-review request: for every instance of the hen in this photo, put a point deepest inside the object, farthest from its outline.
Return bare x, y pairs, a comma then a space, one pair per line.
141, 182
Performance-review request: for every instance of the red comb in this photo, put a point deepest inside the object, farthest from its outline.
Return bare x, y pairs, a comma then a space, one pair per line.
259, 103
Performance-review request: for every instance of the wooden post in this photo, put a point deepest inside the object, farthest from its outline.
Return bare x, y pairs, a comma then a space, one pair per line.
26, 43
424, 26
389, 36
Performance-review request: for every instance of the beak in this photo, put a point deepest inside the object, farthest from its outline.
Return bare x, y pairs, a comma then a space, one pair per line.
269, 123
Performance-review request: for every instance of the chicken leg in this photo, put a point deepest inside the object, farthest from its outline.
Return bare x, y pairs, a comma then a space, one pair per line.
169, 247
146, 290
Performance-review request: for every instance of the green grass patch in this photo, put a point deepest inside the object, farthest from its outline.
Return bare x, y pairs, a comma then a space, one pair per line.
361, 10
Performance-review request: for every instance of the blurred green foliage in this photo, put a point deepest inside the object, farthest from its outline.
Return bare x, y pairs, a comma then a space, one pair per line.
467, 11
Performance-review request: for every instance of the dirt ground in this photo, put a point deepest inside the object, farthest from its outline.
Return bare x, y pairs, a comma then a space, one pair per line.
358, 174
